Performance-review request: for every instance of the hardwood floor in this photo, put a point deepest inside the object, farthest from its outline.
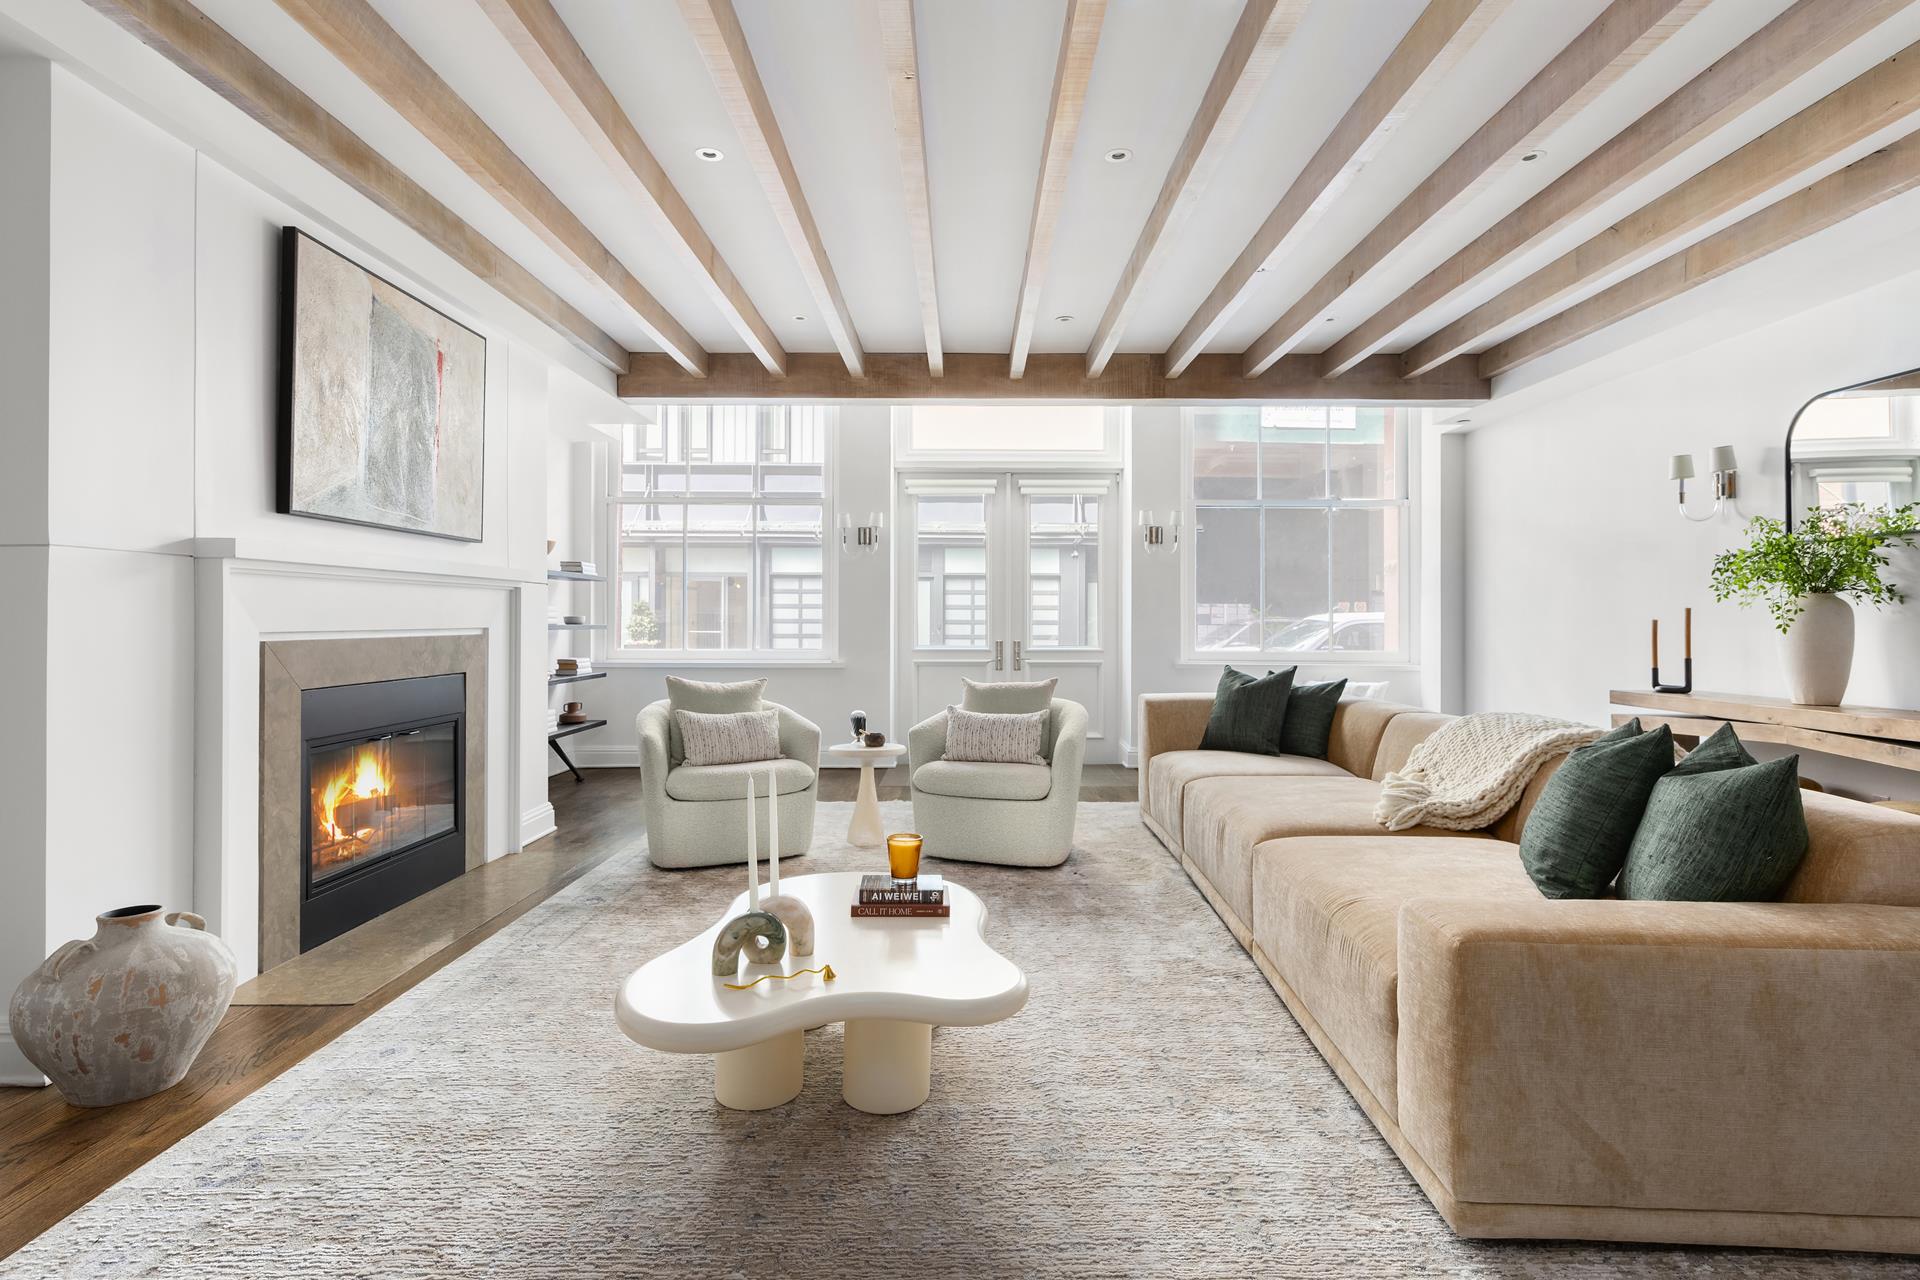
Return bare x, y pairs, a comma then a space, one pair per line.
54, 1157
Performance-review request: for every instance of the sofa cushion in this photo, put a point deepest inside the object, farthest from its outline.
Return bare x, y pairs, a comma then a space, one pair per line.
1513, 823
1857, 852
1249, 712
974, 780
1008, 697
729, 737
988, 737
1310, 709
1169, 772
1403, 733
729, 781
1578, 839
1326, 915
1357, 726
1224, 818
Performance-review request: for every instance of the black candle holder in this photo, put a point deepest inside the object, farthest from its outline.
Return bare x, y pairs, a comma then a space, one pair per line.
1686, 662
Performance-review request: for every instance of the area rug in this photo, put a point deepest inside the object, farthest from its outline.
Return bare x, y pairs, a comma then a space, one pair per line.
1154, 1111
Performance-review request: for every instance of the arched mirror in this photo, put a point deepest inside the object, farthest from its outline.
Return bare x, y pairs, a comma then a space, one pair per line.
1856, 444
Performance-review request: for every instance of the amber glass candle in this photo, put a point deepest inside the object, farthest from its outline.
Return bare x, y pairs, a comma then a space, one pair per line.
903, 855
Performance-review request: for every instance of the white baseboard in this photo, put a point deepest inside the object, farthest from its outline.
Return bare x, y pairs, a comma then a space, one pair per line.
603, 756
14, 1067
1129, 756
535, 823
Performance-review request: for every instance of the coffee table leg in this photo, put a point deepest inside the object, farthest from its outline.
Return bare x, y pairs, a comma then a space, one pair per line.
865, 831
888, 1065
761, 1075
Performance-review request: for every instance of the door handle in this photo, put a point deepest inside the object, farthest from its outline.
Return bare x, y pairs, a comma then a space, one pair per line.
999, 655
1016, 655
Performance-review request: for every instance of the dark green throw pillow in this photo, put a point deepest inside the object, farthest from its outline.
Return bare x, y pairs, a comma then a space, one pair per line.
1577, 837
1732, 833
1249, 713
1722, 750
1310, 718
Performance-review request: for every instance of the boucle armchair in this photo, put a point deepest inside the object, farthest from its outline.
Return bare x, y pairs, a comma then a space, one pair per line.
697, 815
1014, 815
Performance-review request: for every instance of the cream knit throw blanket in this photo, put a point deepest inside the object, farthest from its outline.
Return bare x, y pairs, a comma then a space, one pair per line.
1472, 770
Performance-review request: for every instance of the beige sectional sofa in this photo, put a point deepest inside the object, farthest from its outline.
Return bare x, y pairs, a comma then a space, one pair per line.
1726, 1073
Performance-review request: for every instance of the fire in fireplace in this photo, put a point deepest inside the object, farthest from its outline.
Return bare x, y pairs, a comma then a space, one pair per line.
383, 767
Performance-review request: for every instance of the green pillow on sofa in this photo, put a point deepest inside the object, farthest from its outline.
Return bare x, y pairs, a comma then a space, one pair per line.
1576, 839
1719, 828
1310, 718
1249, 712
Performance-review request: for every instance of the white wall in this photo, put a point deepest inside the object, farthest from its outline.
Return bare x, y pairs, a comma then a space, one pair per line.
1572, 543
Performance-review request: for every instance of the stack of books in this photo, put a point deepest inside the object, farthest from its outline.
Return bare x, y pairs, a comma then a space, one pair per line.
579, 566
572, 666
553, 719
882, 896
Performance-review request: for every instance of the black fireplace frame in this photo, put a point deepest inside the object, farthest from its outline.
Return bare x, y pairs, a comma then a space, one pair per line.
337, 714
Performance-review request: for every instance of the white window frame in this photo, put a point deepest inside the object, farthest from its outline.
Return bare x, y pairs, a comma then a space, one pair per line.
1407, 504
1109, 457
612, 498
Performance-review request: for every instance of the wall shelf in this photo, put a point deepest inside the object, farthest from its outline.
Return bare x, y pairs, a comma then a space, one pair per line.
561, 575
553, 680
568, 730
576, 626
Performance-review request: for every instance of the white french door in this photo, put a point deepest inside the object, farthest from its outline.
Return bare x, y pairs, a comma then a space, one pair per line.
1009, 576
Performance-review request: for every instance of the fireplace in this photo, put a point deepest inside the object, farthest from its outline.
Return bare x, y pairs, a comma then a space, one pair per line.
383, 767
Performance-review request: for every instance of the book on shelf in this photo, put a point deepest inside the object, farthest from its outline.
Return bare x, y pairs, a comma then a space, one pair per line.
901, 910
577, 566
876, 888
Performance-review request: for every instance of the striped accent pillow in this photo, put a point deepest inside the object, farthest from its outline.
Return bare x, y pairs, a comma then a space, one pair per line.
729, 737
988, 738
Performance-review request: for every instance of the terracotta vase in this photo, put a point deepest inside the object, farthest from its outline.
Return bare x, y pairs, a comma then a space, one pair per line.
124, 1013
1819, 652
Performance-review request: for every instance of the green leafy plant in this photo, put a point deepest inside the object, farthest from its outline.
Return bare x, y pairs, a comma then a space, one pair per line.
1838, 550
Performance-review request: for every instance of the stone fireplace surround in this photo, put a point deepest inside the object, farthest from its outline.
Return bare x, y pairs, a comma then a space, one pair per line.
289, 666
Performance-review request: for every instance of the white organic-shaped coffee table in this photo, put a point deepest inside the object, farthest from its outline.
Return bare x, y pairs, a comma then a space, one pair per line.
895, 979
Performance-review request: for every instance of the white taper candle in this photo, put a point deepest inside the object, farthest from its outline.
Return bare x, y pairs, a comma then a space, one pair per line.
773, 836
753, 853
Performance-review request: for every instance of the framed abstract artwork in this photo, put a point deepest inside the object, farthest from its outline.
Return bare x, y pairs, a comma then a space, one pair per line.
383, 401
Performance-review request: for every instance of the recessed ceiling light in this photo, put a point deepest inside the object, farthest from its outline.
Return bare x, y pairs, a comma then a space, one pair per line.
1119, 155
1063, 319
711, 155
1531, 156
799, 317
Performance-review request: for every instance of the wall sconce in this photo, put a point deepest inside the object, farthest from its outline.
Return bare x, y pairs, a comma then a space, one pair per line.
864, 538
1159, 534
1725, 467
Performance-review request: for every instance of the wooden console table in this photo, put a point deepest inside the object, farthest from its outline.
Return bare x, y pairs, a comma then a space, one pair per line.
1880, 735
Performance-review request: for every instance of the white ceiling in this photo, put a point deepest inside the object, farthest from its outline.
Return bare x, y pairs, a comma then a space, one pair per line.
985, 76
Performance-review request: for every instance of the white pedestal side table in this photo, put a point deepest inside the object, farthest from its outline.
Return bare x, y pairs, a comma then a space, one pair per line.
865, 831
894, 981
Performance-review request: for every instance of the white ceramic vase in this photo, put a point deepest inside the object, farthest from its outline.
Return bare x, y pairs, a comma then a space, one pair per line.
1819, 652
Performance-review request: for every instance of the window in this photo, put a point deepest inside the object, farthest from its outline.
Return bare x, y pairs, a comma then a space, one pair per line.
951, 575
1063, 570
1299, 519
719, 515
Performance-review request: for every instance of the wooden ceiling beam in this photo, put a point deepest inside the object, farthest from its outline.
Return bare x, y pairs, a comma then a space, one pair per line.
1886, 96
1252, 51
197, 45
897, 43
716, 29
1443, 32
556, 59
1079, 39
1854, 189
1795, 42
1128, 378
1625, 33
360, 38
